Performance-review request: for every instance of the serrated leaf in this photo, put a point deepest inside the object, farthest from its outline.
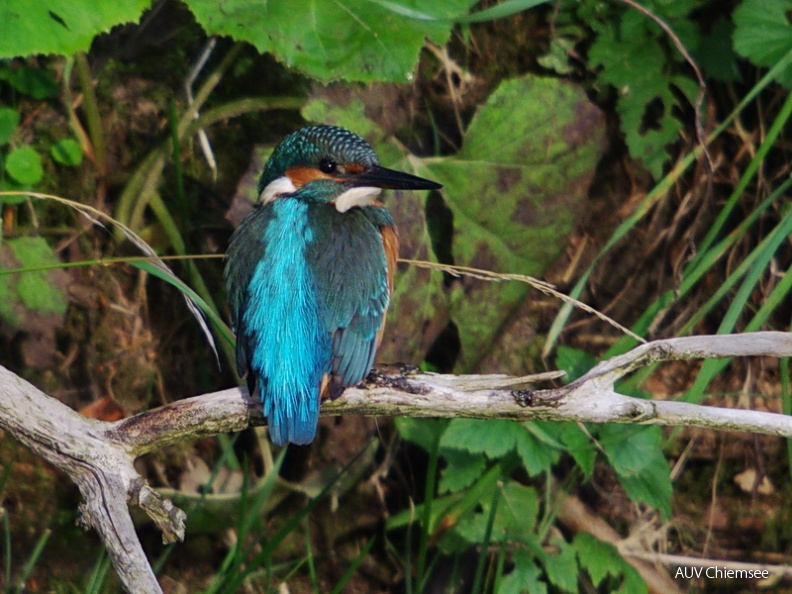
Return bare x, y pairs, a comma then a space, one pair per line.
562, 568
528, 156
357, 40
461, 470
536, 454
598, 558
763, 33
636, 454
515, 517
494, 438
9, 120
60, 26
579, 446
67, 151
524, 578
24, 165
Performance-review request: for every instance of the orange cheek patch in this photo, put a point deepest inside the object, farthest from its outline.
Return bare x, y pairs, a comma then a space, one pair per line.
304, 175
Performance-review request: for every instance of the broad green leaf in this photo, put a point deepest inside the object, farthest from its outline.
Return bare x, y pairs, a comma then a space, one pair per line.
24, 165
579, 446
355, 40
524, 578
492, 438
537, 455
34, 291
574, 362
60, 26
763, 33
636, 454
421, 432
515, 189
461, 470
67, 151
419, 301
9, 120
515, 517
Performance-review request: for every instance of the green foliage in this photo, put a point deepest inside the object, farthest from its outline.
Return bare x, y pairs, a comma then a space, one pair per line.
60, 26
763, 34
67, 151
34, 82
354, 40
602, 561
23, 164
9, 120
36, 290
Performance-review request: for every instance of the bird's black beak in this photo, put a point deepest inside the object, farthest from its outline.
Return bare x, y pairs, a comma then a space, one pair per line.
381, 177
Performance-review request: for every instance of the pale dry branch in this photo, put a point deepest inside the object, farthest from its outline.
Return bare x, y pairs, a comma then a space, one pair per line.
99, 456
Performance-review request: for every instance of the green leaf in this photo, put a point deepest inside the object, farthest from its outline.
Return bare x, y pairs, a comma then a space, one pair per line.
67, 151
574, 362
598, 558
421, 432
9, 185
579, 446
355, 40
60, 26
492, 438
515, 517
34, 290
635, 64
515, 189
562, 568
35, 82
9, 120
24, 165
524, 578
537, 449
462, 469
636, 454
763, 33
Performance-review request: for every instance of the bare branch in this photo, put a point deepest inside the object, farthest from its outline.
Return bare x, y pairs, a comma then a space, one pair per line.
98, 456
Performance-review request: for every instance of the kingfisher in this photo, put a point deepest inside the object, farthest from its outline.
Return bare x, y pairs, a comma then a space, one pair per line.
309, 275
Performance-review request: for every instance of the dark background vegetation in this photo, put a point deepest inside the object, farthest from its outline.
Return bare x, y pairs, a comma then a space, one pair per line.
569, 142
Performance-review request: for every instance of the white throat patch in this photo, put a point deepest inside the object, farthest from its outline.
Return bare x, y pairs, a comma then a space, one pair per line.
276, 188
362, 196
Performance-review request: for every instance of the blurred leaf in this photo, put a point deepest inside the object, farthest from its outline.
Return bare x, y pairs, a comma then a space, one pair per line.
355, 40
636, 454
421, 432
562, 568
60, 26
598, 558
514, 190
716, 55
24, 165
574, 362
67, 151
763, 33
461, 470
524, 577
36, 291
9, 120
35, 82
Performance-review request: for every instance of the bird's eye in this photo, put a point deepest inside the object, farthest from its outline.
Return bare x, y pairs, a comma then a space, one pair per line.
328, 166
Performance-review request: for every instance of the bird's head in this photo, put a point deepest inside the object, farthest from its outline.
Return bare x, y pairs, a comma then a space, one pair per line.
335, 165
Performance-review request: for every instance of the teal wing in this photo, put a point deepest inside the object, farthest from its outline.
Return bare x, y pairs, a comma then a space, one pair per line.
351, 273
